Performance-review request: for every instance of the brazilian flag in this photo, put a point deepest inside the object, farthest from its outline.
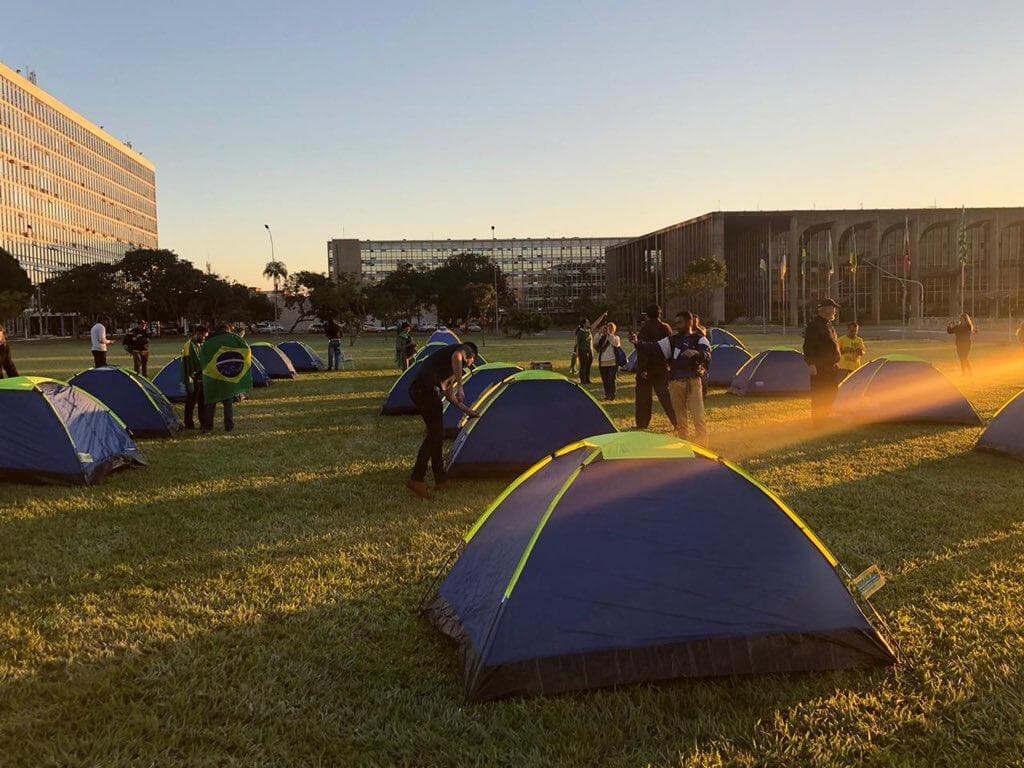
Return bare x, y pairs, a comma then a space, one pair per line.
227, 367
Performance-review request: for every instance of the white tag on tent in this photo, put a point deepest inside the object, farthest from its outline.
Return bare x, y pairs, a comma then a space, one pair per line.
85, 458
869, 581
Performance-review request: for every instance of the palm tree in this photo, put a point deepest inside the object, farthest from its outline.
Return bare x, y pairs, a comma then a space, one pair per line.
276, 271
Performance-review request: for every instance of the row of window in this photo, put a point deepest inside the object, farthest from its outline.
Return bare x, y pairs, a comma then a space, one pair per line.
67, 137
43, 261
64, 177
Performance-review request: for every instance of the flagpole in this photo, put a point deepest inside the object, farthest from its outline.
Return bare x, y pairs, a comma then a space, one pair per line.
769, 272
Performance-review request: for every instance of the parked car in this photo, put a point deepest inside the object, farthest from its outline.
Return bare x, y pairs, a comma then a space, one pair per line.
266, 327
317, 326
473, 328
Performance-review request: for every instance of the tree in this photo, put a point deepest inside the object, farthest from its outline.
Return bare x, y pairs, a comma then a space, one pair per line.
701, 278
15, 287
449, 284
276, 271
523, 320
159, 285
403, 292
299, 290
90, 290
481, 296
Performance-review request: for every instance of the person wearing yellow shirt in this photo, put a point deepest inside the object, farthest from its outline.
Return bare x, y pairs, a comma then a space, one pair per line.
851, 350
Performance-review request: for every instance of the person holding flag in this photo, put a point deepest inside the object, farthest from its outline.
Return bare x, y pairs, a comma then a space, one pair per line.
227, 372
192, 375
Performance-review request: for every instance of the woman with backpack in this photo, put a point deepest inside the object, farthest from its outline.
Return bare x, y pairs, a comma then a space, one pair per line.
609, 357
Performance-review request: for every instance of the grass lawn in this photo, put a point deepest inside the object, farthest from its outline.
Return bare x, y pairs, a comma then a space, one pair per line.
249, 599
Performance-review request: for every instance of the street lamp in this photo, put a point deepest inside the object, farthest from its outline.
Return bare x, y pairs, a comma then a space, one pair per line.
277, 308
494, 259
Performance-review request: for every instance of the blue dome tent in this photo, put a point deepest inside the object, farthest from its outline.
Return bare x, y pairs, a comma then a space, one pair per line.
722, 337
444, 336
778, 371
274, 361
902, 388
168, 381
398, 401
303, 358
474, 384
260, 378
636, 557
1005, 433
133, 398
726, 360
54, 432
523, 418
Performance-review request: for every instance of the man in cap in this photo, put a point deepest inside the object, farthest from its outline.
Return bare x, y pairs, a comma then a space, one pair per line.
821, 353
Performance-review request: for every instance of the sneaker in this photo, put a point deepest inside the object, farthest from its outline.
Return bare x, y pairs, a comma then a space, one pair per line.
420, 488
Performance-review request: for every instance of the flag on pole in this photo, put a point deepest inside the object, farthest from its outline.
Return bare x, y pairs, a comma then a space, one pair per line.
784, 270
762, 266
853, 251
831, 257
906, 248
803, 262
961, 238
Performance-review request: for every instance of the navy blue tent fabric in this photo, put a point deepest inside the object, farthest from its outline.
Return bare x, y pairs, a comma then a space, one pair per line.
474, 385
726, 360
274, 361
54, 432
773, 372
720, 336
443, 336
645, 569
260, 377
302, 356
1005, 433
521, 422
900, 388
168, 381
134, 398
399, 401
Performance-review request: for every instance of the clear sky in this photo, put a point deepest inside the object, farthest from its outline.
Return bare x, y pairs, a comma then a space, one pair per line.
438, 119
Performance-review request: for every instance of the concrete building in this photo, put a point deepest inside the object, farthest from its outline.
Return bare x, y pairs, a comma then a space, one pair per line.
991, 239
70, 193
548, 274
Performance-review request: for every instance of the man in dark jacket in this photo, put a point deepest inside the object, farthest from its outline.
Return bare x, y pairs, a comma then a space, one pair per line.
821, 353
652, 371
136, 343
7, 369
688, 353
192, 375
332, 330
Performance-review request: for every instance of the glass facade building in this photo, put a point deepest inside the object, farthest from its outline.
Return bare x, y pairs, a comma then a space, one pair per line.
70, 193
548, 274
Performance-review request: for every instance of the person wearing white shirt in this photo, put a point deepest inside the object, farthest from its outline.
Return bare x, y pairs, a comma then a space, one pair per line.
98, 334
607, 358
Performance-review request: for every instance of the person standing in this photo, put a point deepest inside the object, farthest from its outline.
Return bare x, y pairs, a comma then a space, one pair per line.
652, 373
607, 359
963, 331
405, 347
585, 345
688, 353
821, 353
7, 367
209, 410
332, 330
98, 337
851, 350
192, 375
136, 343
440, 374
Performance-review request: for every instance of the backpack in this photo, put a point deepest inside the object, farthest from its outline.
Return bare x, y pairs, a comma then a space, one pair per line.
620, 357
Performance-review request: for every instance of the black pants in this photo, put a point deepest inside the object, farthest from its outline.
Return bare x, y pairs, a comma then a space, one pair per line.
586, 360
608, 374
428, 402
99, 359
824, 385
140, 358
209, 410
194, 400
646, 385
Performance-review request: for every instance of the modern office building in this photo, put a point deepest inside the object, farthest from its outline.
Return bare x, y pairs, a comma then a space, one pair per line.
548, 274
911, 263
70, 193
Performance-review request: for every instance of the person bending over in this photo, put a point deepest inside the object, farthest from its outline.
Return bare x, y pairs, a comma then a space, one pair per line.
440, 374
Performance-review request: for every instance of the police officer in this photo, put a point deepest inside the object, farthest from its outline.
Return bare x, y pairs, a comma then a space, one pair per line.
821, 353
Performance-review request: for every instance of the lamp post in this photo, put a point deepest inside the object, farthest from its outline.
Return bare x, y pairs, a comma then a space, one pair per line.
277, 308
